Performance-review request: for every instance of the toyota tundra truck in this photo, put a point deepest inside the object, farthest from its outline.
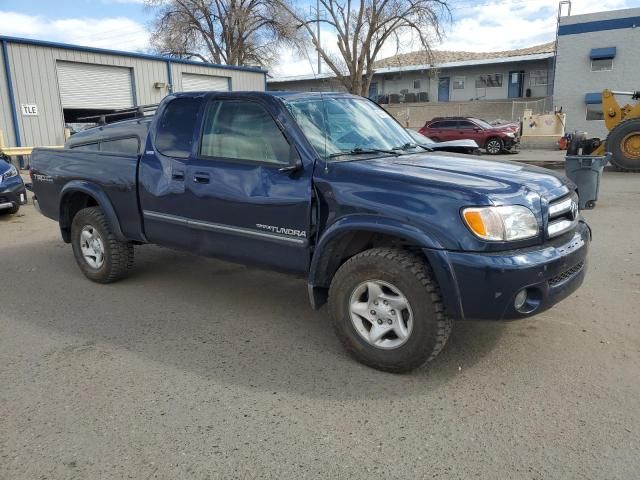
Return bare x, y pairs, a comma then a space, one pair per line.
400, 242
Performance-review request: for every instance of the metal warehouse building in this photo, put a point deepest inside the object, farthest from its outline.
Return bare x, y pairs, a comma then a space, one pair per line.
46, 86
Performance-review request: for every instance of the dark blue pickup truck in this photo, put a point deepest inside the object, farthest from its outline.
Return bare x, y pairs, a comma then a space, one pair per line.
398, 240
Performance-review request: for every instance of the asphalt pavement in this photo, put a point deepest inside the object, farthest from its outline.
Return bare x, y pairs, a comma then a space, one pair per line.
196, 368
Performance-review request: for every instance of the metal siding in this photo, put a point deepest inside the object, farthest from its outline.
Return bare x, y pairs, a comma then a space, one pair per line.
35, 81
196, 83
240, 80
6, 121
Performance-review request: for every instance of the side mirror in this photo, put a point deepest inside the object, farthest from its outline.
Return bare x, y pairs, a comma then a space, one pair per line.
295, 164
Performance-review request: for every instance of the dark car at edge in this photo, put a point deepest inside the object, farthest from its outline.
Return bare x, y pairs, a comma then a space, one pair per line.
12, 190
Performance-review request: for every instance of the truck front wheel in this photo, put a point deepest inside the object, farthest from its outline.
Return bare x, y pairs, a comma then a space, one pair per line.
387, 310
100, 256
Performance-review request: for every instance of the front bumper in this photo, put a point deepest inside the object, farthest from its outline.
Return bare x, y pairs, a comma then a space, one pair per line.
485, 285
12, 193
511, 144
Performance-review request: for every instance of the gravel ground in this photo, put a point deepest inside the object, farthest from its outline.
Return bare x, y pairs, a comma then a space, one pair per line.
200, 369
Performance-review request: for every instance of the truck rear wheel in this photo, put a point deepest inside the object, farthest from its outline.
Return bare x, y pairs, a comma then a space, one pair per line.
100, 256
623, 142
387, 310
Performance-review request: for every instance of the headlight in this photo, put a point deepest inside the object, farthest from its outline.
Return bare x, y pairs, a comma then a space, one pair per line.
510, 134
505, 223
12, 172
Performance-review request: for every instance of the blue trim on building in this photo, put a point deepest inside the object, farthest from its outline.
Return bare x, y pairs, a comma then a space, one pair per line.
12, 98
603, 53
599, 26
593, 98
104, 51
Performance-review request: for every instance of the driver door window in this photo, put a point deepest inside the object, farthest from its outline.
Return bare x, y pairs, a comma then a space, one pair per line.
244, 131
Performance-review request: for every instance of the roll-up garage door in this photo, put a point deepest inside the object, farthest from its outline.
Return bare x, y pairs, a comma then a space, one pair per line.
89, 86
192, 82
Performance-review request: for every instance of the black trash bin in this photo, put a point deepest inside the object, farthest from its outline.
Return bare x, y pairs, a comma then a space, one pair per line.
585, 171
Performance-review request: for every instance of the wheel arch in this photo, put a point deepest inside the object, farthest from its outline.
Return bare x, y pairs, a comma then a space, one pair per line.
492, 137
79, 194
354, 234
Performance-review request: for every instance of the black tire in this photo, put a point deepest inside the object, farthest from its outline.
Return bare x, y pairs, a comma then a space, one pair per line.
412, 275
118, 255
494, 146
614, 144
10, 211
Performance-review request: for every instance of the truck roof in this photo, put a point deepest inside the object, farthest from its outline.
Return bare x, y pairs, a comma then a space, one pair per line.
140, 126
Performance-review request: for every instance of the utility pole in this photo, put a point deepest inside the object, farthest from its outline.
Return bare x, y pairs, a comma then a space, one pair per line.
318, 35
555, 45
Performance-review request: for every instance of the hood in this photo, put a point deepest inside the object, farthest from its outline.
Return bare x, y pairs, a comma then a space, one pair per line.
507, 127
454, 143
497, 179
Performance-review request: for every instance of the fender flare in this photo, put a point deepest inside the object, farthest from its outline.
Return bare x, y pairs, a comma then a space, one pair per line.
434, 253
97, 193
364, 223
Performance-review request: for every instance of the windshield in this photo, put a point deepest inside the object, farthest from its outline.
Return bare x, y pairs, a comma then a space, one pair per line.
337, 127
482, 123
419, 138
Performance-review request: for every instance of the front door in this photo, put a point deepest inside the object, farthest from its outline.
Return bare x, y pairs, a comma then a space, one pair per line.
515, 84
373, 91
242, 204
443, 89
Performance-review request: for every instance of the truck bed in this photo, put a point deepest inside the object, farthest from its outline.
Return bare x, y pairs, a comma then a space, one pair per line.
114, 173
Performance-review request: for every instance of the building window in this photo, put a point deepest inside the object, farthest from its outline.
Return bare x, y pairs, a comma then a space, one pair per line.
416, 84
538, 78
489, 81
458, 83
602, 65
594, 111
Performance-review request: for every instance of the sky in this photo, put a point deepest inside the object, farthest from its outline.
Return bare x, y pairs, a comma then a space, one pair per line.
482, 25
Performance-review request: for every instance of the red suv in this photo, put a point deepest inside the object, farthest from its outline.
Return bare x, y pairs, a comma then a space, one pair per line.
493, 138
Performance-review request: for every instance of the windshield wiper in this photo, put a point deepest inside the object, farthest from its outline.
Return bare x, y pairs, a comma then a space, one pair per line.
363, 151
407, 146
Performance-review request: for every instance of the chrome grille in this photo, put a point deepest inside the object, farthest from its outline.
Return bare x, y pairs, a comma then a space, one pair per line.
553, 281
563, 215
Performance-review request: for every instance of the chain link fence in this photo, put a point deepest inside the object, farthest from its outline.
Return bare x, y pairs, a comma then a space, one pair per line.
416, 114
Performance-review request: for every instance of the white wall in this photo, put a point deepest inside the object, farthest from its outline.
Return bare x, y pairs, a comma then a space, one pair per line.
574, 77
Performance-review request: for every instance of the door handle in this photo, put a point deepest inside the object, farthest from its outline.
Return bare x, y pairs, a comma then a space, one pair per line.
177, 176
201, 177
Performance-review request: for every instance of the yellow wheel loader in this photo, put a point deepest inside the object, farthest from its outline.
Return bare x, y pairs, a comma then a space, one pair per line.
623, 124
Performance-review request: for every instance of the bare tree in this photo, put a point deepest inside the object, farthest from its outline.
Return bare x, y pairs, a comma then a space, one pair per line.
231, 32
362, 28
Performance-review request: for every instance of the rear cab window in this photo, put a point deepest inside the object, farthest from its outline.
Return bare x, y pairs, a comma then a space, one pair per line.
175, 131
129, 146
92, 147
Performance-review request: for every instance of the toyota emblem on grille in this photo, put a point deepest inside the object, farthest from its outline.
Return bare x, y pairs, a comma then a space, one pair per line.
574, 210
